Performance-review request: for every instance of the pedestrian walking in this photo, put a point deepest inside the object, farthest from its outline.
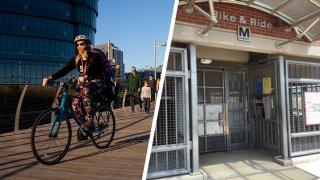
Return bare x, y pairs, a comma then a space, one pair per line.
133, 88
152, 85
146, 96
158, 85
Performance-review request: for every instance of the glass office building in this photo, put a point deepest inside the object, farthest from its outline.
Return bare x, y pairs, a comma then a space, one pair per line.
36, 36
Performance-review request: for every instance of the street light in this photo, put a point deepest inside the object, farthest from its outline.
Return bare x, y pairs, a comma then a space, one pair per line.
155, 56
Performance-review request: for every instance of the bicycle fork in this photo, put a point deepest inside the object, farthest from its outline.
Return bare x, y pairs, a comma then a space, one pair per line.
62, 109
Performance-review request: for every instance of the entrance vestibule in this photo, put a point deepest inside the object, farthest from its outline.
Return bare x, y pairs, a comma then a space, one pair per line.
222, 108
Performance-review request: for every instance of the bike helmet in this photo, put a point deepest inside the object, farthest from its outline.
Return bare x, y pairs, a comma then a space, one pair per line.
81, 38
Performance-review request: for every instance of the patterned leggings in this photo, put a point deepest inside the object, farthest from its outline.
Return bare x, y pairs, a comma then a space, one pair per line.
84, 108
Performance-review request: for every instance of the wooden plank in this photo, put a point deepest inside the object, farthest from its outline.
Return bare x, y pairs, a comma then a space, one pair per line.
124, 159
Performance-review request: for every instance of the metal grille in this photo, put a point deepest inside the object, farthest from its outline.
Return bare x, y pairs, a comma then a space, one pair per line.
175, 62
265, 132
170, 123
170, 152
297, 104
307, 144
237, 117
308, 71
169, 149
210, 107
166, 161
302, 77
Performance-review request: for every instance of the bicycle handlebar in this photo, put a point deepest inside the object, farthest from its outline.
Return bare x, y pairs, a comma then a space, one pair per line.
66, 85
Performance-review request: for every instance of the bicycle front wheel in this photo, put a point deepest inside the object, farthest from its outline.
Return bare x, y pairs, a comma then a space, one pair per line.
51, 136
105, 128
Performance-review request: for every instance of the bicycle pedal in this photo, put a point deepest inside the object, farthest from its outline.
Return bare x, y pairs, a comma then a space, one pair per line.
80, 136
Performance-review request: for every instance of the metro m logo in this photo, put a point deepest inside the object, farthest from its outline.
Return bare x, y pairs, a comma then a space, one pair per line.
243, 33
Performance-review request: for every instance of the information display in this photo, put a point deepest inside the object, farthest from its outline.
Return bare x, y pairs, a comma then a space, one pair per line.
312, 106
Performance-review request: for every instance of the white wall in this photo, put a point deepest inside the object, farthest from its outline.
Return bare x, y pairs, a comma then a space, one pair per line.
226, 39
222, 54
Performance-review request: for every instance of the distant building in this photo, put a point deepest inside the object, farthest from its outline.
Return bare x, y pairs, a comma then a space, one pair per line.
36, 38
115, 55
146, 71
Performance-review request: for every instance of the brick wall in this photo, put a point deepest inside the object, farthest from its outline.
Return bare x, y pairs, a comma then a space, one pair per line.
237, 11
316, 42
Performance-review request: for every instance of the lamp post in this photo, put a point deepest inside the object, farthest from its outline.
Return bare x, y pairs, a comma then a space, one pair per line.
155, 56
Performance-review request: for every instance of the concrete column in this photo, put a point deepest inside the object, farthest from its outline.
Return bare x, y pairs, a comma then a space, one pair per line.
194, 104
283, 108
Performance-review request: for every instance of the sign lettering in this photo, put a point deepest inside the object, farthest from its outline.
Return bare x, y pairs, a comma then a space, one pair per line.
223, 16
243, 33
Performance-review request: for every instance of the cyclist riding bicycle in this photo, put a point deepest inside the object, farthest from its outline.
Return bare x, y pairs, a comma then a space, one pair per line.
92, 75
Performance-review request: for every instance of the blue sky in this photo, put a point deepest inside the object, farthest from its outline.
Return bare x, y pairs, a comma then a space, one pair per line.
132, 26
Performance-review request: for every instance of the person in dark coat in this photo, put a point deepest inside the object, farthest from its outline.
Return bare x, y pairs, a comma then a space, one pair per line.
134, 87
152, 85
158, 85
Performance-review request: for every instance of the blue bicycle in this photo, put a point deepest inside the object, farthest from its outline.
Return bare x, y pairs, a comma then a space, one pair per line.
51, 133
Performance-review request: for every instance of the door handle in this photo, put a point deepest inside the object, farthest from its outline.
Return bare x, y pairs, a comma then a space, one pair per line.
221, 119
221, 122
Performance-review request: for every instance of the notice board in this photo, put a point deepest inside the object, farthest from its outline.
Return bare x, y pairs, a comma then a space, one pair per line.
312, 107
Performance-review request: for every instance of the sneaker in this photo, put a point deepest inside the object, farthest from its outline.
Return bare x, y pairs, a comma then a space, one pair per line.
89, 125
80, 136
131, 110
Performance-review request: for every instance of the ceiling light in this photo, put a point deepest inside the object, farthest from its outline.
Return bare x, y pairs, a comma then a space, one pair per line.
206, 61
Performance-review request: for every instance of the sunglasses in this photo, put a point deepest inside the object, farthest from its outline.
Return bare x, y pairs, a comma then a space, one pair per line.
80, 44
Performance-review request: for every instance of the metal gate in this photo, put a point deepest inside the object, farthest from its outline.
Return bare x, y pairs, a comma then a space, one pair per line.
264, 118
211, 111
303, 80
222, 111
236, 98
171, 151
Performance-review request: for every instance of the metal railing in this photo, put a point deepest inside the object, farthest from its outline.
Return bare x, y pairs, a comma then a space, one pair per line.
21, 104
303, 78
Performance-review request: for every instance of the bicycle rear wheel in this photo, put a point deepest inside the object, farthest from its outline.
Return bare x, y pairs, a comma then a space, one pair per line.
50, 148
105, 128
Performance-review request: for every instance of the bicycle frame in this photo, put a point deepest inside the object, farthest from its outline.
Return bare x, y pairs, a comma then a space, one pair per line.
63, 108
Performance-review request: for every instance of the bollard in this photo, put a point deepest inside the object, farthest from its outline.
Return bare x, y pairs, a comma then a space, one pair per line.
124, 99
17, 118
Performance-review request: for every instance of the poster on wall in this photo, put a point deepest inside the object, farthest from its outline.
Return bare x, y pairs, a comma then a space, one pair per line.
312, 106
259, 87
267, 89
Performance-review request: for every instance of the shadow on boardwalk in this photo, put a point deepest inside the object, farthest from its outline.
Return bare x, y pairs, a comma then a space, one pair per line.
124, 159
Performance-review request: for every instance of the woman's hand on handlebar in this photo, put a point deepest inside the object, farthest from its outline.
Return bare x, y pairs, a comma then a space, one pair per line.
80, 80
46, 80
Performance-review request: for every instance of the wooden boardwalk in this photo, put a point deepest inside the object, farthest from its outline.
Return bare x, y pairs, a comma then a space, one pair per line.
124, 159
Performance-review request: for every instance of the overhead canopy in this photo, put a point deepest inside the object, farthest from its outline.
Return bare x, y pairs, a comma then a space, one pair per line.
301, 15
